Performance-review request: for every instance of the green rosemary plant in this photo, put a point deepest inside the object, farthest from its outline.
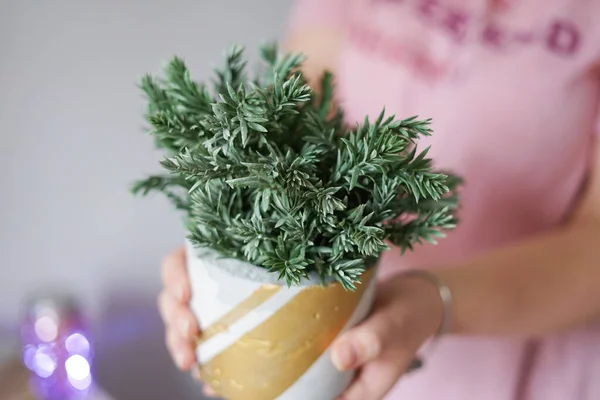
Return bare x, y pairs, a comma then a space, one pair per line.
266, 173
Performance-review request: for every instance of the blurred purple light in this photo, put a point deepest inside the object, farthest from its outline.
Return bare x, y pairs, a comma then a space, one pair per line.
82, 384
56, 349
77, 367
44, 362
29, 356
46, 328
78, 372
76, 343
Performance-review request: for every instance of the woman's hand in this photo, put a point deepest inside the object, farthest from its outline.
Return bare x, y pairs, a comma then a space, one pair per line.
173, 304
407, 312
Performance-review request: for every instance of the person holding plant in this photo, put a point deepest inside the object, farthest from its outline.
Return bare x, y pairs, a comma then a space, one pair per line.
513, 88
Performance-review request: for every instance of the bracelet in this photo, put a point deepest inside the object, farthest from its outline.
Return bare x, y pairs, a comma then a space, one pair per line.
445, 297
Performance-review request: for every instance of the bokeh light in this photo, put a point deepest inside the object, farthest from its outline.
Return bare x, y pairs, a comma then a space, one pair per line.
76, 343
44, 362
57, 349
29, 356
46, 328
78, 372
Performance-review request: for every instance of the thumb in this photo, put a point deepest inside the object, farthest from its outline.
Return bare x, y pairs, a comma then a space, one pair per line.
364, 342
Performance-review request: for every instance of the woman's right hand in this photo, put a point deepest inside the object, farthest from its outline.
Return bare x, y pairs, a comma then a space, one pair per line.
173, 303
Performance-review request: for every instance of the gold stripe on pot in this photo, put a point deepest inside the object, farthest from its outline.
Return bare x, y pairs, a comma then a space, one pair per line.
259, 296
267, 360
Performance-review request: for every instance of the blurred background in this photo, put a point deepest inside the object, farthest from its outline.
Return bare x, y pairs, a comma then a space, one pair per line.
71, 143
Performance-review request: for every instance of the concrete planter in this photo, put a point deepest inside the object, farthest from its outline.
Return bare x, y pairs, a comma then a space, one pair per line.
264, 341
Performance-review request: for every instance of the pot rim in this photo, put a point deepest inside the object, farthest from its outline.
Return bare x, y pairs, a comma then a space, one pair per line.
241, 269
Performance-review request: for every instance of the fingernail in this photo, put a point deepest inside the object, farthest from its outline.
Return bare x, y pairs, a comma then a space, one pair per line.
344, 356
196, 373
185, 327
180, 359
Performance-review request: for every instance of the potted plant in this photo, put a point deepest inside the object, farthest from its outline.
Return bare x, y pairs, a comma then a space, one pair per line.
287, 212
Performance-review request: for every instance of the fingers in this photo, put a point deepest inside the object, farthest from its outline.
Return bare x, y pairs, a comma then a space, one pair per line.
207, 390
174, 275
363, 343
181, 350
181, 325
166, 305
380, 348
177, 317
374, 381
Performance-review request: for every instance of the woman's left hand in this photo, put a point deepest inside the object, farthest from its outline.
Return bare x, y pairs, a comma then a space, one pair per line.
407, 312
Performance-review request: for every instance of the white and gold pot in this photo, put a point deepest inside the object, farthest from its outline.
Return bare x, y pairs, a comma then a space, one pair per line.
263, 340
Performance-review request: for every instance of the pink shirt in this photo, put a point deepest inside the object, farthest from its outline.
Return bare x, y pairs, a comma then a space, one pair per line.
513, 89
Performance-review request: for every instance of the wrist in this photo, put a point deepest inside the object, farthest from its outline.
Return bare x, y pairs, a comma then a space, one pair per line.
427, 300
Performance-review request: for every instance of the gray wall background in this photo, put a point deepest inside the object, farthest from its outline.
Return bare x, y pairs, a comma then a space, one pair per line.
70, 145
